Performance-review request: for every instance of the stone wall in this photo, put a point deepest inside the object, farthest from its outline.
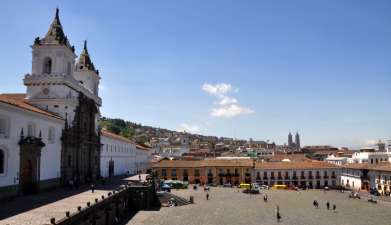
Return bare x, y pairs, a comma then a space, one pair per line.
113, 208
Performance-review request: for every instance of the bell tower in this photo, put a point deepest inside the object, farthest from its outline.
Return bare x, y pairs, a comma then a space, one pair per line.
86, 73
52, 85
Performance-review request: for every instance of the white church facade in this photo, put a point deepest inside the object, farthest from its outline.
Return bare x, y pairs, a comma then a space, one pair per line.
50, 135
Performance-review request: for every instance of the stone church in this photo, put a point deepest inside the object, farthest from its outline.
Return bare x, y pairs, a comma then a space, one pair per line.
50, 134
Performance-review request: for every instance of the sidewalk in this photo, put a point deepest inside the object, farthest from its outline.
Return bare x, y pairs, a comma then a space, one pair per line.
40, 208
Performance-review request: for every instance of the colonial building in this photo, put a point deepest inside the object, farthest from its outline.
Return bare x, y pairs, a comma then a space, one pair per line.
235, 171
121, 156
303, 174
29, 147
363, 176
217, 171
50, 134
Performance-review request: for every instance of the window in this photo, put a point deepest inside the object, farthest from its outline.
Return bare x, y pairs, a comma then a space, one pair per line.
197, 172
4, 125
31, 130
164, 172
51, 135
173, 173
47, 66
2, 161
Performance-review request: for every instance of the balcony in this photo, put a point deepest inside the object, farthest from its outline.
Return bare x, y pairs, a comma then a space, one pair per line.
279, 178
265, 177
317, 177
326, 177
247, 174
197, 175
333, 177
310, 177
222, 174
294, 178
302, 177
236, 175
287, 178
210, 174
272, 178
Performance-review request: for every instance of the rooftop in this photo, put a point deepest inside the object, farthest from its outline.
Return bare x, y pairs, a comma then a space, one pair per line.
19, 100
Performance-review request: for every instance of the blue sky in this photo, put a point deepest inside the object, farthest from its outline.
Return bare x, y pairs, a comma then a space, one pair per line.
320, 67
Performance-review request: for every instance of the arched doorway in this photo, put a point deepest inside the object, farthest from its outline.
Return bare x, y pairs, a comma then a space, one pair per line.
29, 167
111, 168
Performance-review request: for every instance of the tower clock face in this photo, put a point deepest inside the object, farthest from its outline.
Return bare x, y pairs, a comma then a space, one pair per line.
46, 91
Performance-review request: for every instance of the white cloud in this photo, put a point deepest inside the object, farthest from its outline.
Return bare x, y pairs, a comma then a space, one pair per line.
227, 106
189, 128
225, 100
228, 111
217, 89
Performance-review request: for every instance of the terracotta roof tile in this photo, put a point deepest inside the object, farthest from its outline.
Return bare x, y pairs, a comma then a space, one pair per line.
18, 100
295, 165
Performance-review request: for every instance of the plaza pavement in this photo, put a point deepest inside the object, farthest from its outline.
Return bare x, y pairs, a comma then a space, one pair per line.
228, 206
38, 209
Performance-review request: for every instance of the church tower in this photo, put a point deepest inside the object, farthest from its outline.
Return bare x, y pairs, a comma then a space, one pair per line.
290, 140
55, 85
297, 141
86, 73
51, 84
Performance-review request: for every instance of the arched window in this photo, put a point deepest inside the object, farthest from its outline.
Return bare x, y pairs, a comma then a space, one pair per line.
47, 66
2, 161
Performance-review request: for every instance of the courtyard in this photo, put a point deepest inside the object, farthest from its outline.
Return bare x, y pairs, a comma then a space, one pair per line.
228, 206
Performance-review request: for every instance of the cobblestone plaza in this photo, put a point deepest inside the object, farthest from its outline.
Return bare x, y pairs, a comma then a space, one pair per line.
228, 206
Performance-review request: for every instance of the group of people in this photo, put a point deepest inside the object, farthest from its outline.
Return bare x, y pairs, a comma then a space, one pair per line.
316, 205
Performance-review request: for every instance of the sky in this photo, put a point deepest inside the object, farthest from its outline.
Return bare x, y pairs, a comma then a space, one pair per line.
244, 69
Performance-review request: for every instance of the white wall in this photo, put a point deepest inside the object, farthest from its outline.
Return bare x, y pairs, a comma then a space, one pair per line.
122, 153
50, 154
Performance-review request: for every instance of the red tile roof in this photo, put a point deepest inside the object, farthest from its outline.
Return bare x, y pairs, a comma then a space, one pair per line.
295, 165
19, 100
365, 166
243, 163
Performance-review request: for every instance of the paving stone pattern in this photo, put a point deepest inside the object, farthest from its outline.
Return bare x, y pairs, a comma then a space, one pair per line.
228, 206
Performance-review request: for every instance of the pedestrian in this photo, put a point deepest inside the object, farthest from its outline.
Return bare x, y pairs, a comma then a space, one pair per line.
334, 207
328, 205
316, 204
207, 196
139, 177
92, 188
265, 198
278, 215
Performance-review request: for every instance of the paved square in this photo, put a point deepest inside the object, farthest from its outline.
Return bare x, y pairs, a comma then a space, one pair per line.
229, 207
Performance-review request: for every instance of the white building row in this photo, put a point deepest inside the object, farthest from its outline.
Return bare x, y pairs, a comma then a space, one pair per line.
120, 156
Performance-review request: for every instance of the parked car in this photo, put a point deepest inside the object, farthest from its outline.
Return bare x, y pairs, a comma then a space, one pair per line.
166, 188
227, 185
264, 187
354, 194
251, 191
374, 191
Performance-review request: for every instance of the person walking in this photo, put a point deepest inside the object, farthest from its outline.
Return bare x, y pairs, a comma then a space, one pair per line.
265, 198
278, 215
334, 207
92, 188
207, 196
328, 205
